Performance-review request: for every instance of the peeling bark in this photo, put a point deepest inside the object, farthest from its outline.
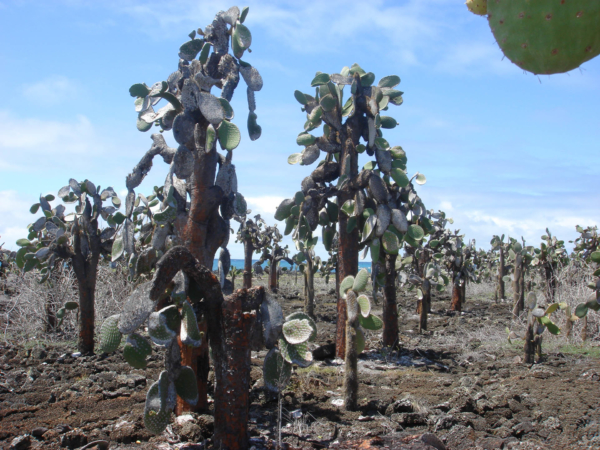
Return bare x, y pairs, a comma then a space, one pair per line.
390, 308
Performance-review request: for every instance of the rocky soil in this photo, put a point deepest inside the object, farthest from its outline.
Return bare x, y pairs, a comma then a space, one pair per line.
460, 386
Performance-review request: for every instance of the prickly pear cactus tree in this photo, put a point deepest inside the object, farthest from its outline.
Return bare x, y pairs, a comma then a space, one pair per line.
274, 254
458, 259
423, 268
291, 347
500, 248
586, 251
359, 316
521, 257
538, 320
255, 235
543, 37
201, 121
550, 258
76, 238
193, 301
345, 122
308, 263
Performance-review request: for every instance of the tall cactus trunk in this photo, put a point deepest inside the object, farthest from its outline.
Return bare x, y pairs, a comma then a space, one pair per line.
348, 241
530, 345
425, 306
273, 275
351, 368
549, 273
390, 308
50, 317
309, 299
456, 304
232, 372
518, 294
501, 287
86, 316
248, 251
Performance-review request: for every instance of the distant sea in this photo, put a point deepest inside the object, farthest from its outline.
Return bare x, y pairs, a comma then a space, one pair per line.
239, 264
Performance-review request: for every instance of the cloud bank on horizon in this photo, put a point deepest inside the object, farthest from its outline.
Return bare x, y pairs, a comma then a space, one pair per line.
503, 152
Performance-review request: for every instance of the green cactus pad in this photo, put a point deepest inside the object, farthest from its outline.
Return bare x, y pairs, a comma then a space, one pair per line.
375, 248
300, 97
365, 305
390, 81
302, 316
297, 331
371, 323
186, 385
296, 354
190, 334
545, 37
136, 349
70, 306
158, 330
346, 284
254, 129
305, 139
360, 340
328, 235
391, 244
276, 371
160, 401
229, 135
416, 232
321, 78
361, 280
284, 209
399, 177
478, 7
531, 300
110, 336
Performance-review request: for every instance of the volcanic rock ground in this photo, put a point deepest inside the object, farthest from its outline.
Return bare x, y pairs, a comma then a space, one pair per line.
460, 386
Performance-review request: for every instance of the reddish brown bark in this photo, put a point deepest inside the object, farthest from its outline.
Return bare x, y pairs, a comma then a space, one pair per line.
273, 275
518, 288
456, 304
501, 289
390, 308
248, 251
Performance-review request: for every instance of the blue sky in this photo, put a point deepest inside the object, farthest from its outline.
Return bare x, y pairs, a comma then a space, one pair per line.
504, 151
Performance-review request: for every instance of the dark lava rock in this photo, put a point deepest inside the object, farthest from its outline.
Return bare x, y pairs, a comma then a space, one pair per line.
399, 406
73, 439
20, 443
38, 432
324, 352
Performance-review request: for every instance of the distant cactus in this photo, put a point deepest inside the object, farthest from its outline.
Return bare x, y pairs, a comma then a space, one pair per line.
498, 245
256, 236
543, 37
550, 257
77, 238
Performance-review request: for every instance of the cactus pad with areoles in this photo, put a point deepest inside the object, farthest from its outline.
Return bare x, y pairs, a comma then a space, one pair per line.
546, 37
136, 349
110, 336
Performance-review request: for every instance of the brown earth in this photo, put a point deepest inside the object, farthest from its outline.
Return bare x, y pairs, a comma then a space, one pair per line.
446, 383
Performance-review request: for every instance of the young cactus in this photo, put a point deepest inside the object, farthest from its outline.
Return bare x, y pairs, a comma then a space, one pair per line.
297, 331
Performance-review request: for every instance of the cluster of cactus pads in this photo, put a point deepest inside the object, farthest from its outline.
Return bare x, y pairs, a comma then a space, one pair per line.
544, 37
359, 306
292, 348
163, 328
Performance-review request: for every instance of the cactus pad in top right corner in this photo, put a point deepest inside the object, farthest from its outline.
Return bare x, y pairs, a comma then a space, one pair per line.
546, 37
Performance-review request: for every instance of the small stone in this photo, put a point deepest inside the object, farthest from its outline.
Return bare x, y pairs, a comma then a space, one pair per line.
38, 432
20, 443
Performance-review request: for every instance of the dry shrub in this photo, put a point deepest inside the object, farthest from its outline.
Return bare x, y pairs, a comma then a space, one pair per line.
23, 313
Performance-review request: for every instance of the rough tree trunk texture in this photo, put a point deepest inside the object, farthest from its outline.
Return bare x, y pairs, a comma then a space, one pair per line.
390, 308
463, 292
351, 367
426, 305
550, 282
309, 299
50, 317
228, 333
248, 251
273, 275
456, 304
501, 287
518, 296
87, 291
530, 345
348, 244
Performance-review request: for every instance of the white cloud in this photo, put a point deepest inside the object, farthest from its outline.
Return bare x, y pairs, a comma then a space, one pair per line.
14, 217
51, 91
31, 142
264, 205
